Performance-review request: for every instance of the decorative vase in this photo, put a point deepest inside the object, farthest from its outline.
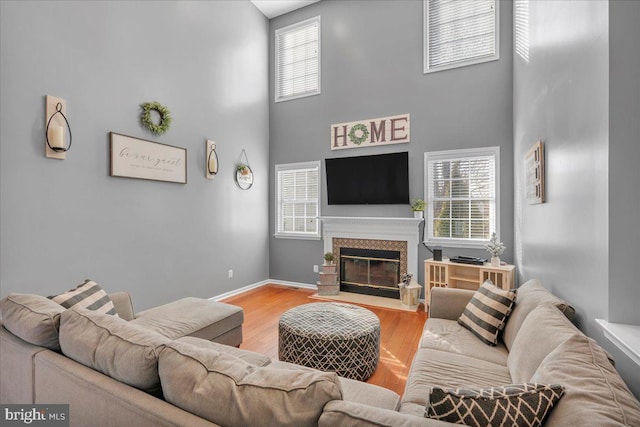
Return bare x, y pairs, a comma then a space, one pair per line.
495, 261
418, 214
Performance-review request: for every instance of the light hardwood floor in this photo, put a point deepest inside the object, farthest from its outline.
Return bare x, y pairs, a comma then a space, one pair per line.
399, 336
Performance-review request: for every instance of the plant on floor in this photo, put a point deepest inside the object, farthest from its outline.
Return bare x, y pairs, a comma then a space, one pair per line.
329, 257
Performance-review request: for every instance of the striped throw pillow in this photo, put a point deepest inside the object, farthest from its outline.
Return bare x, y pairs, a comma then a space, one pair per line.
486, 314
88, 295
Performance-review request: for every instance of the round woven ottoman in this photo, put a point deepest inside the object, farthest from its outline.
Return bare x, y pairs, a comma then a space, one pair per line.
331, 337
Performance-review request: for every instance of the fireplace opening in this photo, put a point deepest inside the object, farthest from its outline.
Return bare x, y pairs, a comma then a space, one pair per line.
370, 272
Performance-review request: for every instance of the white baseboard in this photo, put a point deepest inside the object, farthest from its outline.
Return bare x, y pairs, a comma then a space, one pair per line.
266, 282
259, 284
293, 284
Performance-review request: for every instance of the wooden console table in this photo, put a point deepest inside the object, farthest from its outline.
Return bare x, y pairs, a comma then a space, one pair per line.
465, 276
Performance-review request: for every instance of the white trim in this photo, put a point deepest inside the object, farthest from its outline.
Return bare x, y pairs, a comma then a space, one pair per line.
297, 236
261, 284
625, 337
425, 44
376, 228
275, 59
448, 155
293, 284
239, 291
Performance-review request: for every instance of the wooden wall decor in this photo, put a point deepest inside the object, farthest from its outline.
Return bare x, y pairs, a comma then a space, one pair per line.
534, 167
371, 132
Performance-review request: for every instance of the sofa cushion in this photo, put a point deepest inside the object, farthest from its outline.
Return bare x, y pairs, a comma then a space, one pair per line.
33, 318
250, 357
595, 395
195, 379
516, 404
486, 313
113, 346
355, 391
435, 368
531, 295
87, 295
544, 329
450, 336
191, 316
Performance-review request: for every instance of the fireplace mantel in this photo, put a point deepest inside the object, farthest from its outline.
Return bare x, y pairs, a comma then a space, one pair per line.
377, 228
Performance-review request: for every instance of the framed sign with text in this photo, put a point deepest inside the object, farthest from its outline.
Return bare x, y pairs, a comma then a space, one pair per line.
141, 159
371, 132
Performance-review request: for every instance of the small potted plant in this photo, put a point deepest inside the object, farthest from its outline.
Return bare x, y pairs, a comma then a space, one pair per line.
329, 257
495, 248
243, 169
418, 206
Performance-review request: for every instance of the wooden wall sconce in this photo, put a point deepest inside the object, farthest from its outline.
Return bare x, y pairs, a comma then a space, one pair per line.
211, 158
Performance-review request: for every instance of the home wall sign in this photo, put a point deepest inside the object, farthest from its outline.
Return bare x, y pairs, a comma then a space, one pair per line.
534, 167
370, 132
141, 159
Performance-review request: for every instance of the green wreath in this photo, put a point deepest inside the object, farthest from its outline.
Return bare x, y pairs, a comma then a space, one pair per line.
146, 120
358, 139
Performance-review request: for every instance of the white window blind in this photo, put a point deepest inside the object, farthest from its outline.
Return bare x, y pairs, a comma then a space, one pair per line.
459, 33
462, 195
297, 58
298, 200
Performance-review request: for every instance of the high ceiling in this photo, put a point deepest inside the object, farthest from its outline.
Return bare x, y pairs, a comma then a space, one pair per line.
273, 8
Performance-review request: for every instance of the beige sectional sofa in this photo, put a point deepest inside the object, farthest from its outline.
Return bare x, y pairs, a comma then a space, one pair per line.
207, 383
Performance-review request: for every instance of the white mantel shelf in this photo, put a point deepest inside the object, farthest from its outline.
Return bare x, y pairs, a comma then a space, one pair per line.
377, 228
626, 337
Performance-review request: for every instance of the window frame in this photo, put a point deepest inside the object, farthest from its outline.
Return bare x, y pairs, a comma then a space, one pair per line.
276, 79
451, 155
425, 44
278, 202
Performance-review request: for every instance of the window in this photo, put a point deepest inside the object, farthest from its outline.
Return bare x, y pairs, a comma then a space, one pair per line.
297, 58
459, 33
462, 193
298, 200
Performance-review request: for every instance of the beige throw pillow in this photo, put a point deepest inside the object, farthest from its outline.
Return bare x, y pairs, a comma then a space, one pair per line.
231, 392
113, 346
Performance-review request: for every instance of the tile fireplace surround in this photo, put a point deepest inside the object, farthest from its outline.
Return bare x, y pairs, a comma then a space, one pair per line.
402, 234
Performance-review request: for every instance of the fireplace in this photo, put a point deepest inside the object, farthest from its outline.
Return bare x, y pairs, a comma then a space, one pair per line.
370, 271
378, 234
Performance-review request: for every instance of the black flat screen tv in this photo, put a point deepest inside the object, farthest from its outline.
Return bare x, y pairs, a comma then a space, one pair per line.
381, 179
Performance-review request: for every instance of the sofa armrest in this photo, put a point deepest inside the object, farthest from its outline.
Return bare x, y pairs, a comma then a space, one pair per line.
124, 306
448, 303
350, 414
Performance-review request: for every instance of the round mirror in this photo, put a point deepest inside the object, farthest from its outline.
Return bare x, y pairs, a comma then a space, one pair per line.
244, 177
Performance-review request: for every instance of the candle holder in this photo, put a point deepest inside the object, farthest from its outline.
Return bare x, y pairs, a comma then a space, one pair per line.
54, 131
211, 168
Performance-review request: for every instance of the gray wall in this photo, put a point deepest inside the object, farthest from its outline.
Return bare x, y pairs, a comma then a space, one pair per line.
624, 157
562, 96
64, 221
372, 67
